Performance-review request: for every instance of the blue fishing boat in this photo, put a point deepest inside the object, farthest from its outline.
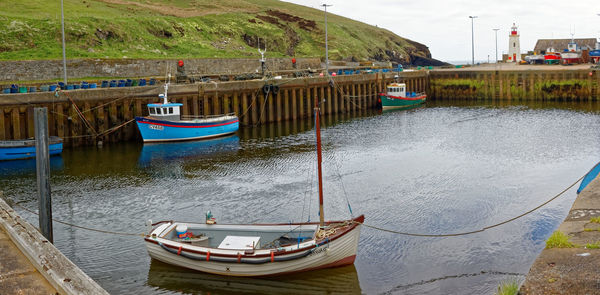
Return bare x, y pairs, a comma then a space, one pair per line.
165, 123
25, 148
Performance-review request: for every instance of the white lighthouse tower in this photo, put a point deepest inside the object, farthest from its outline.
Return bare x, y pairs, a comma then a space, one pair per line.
514, 48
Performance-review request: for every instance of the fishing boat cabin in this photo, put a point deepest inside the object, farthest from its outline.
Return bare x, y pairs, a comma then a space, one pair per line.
165, 111
397, 89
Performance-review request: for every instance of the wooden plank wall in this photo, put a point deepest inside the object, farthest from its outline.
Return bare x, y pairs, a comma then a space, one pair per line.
104, 109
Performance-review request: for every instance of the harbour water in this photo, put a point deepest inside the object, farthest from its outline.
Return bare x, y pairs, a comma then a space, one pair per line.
444, 168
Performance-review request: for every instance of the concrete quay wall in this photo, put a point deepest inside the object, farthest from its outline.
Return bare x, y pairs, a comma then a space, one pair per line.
42, 70
571, 270
562, 83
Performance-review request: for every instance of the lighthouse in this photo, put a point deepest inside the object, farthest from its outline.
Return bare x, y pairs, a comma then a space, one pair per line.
514, 48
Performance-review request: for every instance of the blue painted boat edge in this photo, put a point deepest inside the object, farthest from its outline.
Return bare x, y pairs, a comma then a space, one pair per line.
190, 138
148, 120
21, 153
591, 175
165, 105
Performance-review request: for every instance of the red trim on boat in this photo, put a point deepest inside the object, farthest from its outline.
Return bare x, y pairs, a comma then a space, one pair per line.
403, 98
360, 219
183, 126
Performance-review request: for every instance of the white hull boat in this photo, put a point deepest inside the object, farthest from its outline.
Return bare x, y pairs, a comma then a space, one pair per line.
277, 249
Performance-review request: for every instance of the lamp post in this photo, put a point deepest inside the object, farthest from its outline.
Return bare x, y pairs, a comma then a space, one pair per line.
326, 45
472, 39
62, 20
496, 44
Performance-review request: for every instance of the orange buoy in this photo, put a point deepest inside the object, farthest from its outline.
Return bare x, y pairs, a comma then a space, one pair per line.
207, 255
180, 63
239, 257
179, 251
272, 256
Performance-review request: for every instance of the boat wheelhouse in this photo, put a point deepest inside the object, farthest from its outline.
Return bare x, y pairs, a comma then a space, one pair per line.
166, 123
398, 97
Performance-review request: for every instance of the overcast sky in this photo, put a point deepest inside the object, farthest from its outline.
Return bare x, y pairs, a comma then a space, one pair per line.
445, 27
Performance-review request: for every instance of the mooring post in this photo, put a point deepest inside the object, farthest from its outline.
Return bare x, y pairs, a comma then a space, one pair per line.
42, 158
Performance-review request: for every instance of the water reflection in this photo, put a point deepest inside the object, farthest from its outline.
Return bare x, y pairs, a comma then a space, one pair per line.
161, 153
341, 280
27, 166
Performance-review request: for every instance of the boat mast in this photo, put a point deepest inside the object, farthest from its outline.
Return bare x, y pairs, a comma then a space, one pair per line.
318, 129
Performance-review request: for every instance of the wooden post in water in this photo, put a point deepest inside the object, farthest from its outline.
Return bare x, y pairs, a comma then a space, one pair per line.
42, 158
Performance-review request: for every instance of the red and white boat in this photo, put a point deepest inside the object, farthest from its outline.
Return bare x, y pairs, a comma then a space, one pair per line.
572, 55
257, 249
551, 57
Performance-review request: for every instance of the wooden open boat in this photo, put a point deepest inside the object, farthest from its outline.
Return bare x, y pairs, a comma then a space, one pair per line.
25, 148
257, 249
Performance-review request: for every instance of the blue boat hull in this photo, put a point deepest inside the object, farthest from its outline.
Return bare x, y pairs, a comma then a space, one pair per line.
153, 130
17, 153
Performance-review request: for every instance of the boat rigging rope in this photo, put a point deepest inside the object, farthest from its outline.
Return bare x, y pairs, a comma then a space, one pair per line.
367, 225
83, 227
479, 230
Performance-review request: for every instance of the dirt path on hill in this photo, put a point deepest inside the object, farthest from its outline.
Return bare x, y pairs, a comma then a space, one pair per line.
184, 12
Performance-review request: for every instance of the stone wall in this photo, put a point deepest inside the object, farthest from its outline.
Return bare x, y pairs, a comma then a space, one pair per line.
32, 70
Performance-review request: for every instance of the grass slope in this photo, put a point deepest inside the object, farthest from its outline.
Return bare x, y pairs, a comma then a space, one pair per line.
189, 29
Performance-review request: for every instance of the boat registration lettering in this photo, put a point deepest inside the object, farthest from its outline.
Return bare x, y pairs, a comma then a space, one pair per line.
156, 127
319, 250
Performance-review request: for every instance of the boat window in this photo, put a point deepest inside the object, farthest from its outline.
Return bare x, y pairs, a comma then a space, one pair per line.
158, 111
152, 111
170, 110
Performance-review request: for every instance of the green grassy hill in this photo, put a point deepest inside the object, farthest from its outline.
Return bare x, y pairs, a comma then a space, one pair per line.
190, 29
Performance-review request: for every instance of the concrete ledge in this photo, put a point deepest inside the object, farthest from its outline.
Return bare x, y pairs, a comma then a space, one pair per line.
571, 270
190, 89
60, 272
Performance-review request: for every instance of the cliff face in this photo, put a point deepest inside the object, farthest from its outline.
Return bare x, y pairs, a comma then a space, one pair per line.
192, 29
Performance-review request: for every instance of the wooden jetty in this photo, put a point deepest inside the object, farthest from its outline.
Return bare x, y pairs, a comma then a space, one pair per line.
29, 264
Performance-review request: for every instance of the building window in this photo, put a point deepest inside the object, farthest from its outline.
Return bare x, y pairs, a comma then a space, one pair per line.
514, 44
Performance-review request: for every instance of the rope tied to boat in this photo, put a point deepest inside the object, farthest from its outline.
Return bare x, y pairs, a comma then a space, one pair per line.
479, 230
83, 227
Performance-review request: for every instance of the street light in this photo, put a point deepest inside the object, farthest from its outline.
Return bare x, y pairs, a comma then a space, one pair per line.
496, 44
472, 40
62, 19
326, 45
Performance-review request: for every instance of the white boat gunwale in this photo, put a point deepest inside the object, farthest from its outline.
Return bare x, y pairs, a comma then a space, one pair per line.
157, 234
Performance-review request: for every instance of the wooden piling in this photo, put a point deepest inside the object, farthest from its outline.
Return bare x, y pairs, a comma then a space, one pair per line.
2, 126
43, 172
301, 99
294, 109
